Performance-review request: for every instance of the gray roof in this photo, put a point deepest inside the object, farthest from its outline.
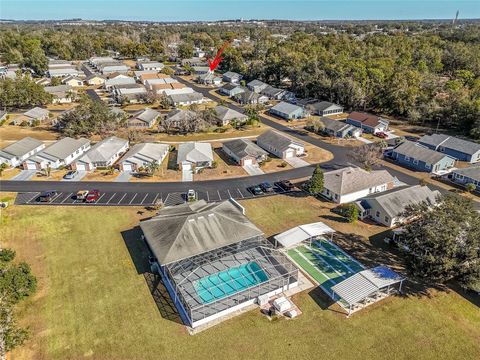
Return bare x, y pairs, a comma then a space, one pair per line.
145, 152
352, 179
286, 108
247, 96
232, 74
396, 201
22, 147
472, 172
57, 89
271, 91
323, 105
180, 114
243, 148
148, 115
177, 98
257, 83
104, 150
225, 113
194, 152
335, 125
36, 113
419, 152
451, 142
183, 231
93, 76
63, 148
277, 140
230, 86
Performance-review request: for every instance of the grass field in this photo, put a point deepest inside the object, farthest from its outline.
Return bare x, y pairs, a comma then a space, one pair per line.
93, 302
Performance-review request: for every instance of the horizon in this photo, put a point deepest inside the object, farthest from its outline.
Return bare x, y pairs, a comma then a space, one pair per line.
217, 10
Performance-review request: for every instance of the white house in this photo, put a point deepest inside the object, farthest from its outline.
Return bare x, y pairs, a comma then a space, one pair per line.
194, 156
150, 65
118, 80
280, 145
143, 154
104, 153
14, 154
62, 94
60, 153
352, 183
187, 99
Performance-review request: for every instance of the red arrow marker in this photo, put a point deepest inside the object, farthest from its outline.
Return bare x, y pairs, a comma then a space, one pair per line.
216, 60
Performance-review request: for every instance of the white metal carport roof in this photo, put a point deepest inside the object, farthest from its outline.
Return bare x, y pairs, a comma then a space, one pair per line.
301, 233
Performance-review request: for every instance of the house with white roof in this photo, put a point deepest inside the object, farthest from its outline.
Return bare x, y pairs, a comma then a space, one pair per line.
194, 156
61, 153
14, 154
141, 155
62, 94
35, 114
118, 80
104, 153
144, 119
150, 65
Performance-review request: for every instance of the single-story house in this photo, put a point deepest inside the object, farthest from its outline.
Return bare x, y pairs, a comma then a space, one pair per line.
73, 81
95, 80
421, 158
232, 77
119, 80
250, 97
143, 154
61, 153
95, 61
468, 175
459, 149
256, 85
131, 93
209, 79
273, 93
63, 71
280, 145
171, 89
287, 111
367, 122
152, 76
14, 154
187, 99
338, 128
62, 94
144, 119
225, 115
324, 108
138, 73
3, 115
104, 153
155, 81
150, 65
194, 156
352, 183
35, 114
43, 81
244, 151
231, 89
194, 61
386, 208
112, 67
175, 117
200, 70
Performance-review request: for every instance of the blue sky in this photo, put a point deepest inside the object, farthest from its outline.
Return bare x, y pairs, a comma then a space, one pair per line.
168, 10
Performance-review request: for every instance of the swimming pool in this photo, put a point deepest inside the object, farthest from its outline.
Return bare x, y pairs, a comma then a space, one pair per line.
228, 282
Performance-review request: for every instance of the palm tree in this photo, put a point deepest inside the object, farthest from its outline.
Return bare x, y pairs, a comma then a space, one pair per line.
152, 167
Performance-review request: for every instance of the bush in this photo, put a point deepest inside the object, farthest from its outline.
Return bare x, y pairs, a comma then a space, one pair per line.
214, 164
35, 123
24, 123
470, 187
350, 212
283, 164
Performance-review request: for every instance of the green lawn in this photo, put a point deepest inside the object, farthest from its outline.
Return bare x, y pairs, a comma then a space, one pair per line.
93, 303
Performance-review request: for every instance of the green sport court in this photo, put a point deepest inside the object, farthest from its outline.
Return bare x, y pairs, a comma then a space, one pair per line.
325, 262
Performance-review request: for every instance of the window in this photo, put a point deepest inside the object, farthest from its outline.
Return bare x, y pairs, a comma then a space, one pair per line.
377, 214
415, 161
428, 166
387, 219
336, 197
407, 158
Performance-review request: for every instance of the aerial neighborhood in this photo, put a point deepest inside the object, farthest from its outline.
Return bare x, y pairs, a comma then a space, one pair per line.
237, 188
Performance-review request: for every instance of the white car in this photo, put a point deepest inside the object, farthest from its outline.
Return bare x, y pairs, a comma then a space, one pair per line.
191, 195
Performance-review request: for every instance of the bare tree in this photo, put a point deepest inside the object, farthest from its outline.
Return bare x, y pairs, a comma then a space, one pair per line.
367, 155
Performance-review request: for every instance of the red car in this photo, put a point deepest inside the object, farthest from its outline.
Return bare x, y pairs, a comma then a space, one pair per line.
381, 134
92, 196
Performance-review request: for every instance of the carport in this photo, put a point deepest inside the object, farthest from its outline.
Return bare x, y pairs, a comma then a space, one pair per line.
301, 233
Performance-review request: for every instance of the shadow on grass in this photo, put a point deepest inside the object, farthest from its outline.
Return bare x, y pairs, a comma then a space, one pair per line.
162, 299
137, 248
224, 157
324, 301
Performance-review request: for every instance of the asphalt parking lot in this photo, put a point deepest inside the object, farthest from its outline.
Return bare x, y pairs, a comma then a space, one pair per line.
141, 198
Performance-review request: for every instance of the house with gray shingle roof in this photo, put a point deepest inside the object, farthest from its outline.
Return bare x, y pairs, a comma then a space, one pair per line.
352, 183
256, 85
468, 175
368, 122
194, 156
273, 92
280, 145
250, 97
143, 154
287, 111
231, 89
457, 148
61, 153
421, 158
386, 208
324, 108
244, 151
35, 114
225, 115
16, 153
144, 119
187, 99
104, 153
232, 77
338, 128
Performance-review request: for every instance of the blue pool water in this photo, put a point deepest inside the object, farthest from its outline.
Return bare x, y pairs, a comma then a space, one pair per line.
228, 282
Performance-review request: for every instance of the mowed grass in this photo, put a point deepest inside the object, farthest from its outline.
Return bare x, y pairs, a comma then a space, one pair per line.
93, 304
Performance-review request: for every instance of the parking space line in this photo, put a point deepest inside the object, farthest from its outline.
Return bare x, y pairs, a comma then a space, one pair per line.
229, 194
208, 197
155, 199
119, 201
134, 196
66, 198
101, 196
144, 198
111, 198
56, 197
33, 197
240, 193
219, 197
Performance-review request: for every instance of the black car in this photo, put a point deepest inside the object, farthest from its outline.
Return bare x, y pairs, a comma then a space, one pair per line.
255, 190
46, 196
411, 138
285, 185
266, 187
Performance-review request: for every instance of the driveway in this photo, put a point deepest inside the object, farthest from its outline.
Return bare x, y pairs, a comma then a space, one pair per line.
362, 139
187, 175
80, 175
123, 177
25, 175
297, 162
253, 170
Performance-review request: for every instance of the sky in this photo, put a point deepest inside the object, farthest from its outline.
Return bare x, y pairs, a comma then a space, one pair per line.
191, 10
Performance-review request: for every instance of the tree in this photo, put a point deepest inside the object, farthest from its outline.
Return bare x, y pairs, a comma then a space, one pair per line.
470, 187
443, 242
350, 212
152, 167
55, 81
16, 284
185, 50
3, 166
315, 184
367, 155
22, 92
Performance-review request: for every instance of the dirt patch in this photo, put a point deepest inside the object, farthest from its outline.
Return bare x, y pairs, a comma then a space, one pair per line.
11, 133
100, 175
316, 155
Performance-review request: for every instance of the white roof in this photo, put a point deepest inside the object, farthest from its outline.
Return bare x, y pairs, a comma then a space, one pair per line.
194, 152
301, 233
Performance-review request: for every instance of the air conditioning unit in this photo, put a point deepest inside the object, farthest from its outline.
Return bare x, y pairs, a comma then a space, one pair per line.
262, 300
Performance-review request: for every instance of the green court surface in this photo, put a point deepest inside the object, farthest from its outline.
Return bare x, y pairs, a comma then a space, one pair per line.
325, 262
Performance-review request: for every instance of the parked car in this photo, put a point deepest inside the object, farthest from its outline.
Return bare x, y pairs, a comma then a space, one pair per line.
255, 190
92, 196
412, 138
285, 185
266, 187
81, 195
381, 135
191, 195
71, 174
47, 196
